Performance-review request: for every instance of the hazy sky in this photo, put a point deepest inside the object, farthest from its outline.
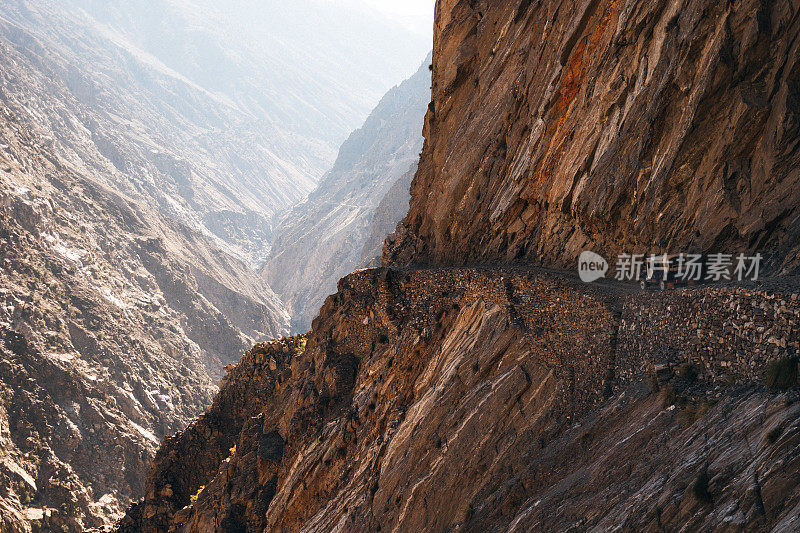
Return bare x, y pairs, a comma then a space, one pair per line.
416, 14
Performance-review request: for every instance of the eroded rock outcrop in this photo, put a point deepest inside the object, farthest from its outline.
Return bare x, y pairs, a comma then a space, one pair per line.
617, 126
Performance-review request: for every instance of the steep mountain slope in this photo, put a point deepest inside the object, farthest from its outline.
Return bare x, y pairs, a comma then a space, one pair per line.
221, 123
612, 126
391, 209
144, 148
440, 397
114, 326
322, 239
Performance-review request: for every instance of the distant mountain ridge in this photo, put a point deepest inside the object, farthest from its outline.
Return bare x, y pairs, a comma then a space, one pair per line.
324, 238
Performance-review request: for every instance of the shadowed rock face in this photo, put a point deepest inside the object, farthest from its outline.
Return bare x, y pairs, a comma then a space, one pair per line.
608, 125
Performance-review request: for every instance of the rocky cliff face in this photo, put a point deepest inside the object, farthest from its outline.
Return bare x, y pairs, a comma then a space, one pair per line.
496, 400
440, 397
323, 238
616, 126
